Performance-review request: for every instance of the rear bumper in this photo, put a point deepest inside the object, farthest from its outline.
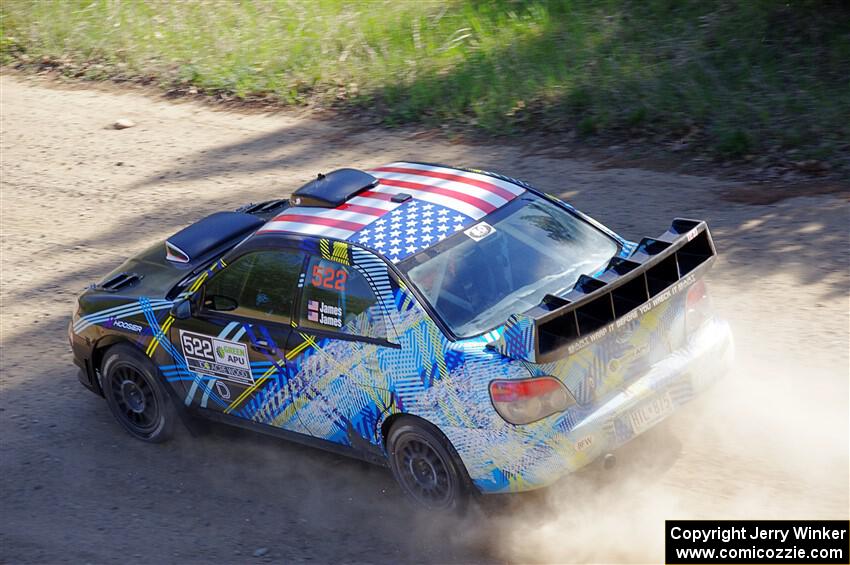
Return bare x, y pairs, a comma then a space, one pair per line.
529, 457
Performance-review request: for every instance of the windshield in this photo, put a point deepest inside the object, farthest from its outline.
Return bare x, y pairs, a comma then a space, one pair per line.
531, 248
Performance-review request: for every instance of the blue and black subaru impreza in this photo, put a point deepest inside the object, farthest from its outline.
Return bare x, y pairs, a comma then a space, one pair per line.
465, 329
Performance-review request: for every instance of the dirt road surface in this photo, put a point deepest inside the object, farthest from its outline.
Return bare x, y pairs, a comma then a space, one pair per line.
770, 441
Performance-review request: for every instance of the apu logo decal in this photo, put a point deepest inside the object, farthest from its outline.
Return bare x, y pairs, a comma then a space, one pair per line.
216, 357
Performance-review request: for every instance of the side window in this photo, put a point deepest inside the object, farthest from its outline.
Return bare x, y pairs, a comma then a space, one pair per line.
339, 298
257, 285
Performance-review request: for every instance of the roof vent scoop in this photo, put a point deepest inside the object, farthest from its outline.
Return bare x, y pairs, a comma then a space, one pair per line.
333, 189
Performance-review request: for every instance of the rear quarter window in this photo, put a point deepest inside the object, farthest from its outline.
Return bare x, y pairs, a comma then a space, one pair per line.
338, 298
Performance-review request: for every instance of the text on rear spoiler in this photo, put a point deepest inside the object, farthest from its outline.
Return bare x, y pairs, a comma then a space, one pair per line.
659, 268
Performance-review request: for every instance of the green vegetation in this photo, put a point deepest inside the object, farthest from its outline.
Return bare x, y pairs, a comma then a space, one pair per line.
732, 77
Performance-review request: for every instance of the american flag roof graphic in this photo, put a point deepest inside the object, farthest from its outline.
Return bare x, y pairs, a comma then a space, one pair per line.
443, 201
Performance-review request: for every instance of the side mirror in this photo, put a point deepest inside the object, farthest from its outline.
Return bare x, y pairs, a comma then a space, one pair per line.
182, 310
220, 303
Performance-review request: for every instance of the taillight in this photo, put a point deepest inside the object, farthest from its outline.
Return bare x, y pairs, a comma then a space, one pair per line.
528, 400
698, 307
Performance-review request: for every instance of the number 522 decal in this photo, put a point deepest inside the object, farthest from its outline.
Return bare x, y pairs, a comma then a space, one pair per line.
207, 355
330, 278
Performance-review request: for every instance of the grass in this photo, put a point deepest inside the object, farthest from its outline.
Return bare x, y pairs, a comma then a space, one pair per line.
727, 77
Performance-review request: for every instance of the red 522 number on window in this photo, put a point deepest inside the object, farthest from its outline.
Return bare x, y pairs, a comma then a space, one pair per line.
329, 278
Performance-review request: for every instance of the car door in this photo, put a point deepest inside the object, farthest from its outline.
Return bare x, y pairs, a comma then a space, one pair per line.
341, 329
234, 344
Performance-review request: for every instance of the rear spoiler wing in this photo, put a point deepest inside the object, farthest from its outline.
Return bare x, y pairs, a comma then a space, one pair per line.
628, 287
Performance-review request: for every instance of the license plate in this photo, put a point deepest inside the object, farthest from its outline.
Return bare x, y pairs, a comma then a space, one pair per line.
649, 413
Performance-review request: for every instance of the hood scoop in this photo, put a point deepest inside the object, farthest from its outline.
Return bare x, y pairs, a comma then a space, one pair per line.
120, 281
206, 235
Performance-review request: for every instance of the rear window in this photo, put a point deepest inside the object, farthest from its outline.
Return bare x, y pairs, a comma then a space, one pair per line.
477, 278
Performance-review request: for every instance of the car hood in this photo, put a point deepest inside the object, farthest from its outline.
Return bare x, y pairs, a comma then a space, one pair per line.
148, 273
145, 281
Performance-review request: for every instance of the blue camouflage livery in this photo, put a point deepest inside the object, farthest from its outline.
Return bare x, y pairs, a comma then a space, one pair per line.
622, 378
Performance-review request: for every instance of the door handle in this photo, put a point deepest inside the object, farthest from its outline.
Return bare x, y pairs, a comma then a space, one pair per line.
261, 345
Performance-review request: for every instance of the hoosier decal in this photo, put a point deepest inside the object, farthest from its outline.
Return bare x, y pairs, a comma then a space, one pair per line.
216, 357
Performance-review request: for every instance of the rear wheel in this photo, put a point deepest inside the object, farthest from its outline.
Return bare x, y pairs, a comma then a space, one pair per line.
426, 466
135, 395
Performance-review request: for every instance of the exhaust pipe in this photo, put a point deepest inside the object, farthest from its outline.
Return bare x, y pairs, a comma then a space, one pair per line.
609, 460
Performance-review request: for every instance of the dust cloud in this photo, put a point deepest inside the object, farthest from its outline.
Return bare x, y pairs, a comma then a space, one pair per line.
769, 441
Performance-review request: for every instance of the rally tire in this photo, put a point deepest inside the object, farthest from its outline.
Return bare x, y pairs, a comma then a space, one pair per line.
427, 467
136, 396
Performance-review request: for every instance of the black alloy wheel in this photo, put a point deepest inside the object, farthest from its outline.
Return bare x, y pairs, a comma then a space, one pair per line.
426, 466
135, 399
135, 396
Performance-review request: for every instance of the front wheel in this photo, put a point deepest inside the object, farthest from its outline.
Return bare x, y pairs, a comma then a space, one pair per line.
135, 395
426, 466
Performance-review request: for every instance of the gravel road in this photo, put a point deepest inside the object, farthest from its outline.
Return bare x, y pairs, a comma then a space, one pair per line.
770, 441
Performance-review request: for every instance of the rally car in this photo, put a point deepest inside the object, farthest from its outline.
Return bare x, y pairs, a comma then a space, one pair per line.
469, 331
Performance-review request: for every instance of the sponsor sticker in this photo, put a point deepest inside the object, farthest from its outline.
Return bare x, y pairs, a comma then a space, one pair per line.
617, 363
222, 390
583, 443
479, 231
124, 325
216, 357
